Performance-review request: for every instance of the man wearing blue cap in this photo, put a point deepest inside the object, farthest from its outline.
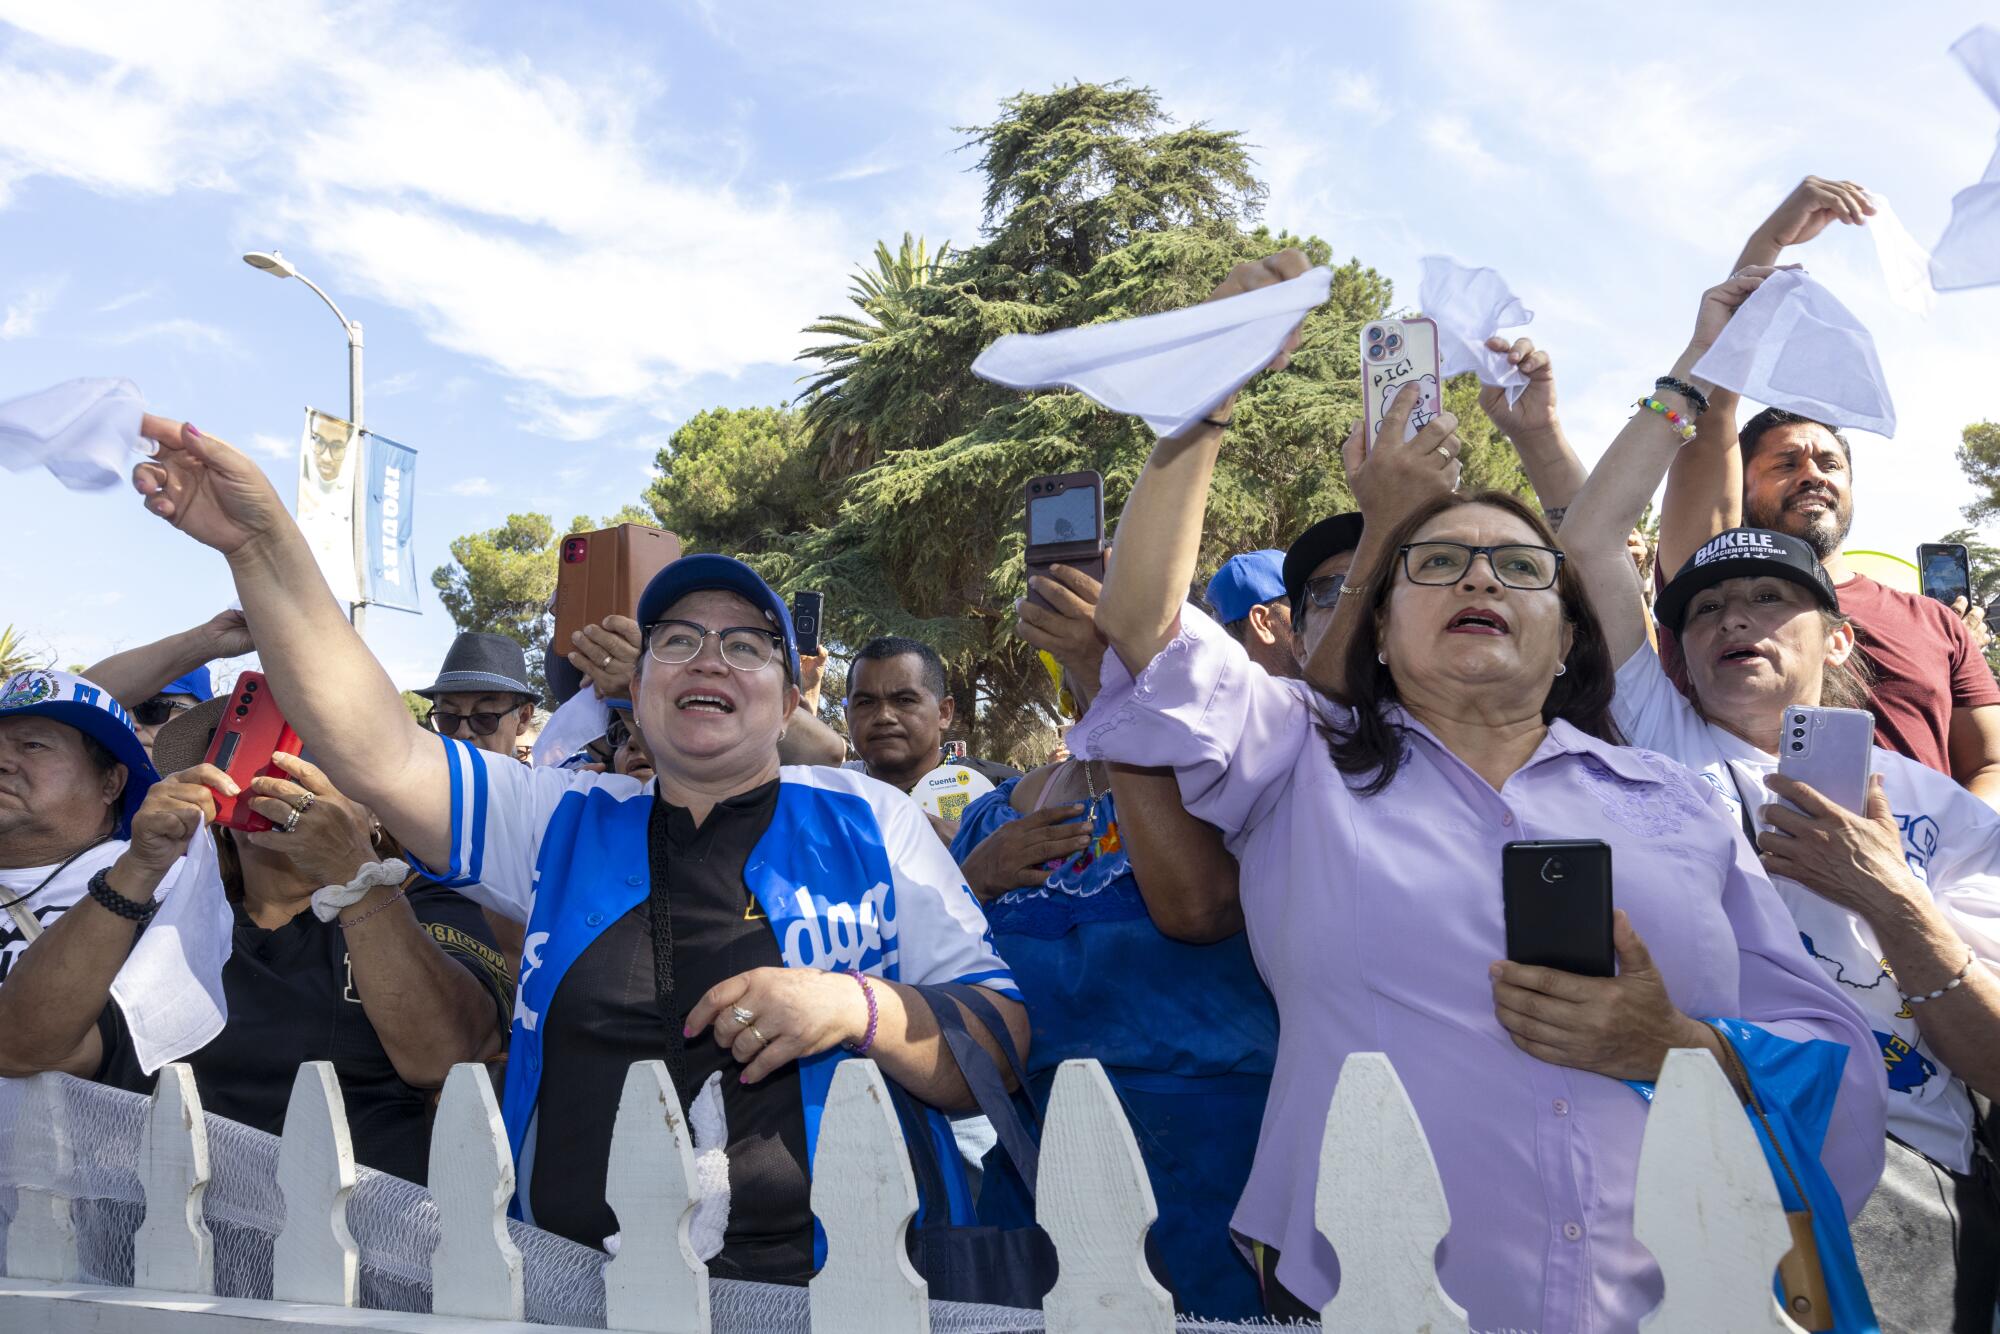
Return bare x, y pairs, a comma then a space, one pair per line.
1247, 596
747, 923
164, 679
72, 771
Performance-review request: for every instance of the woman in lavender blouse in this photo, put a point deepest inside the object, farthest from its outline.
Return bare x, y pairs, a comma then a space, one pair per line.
1477, 688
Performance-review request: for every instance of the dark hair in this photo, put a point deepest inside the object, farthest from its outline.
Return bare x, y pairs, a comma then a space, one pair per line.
1752, 433
99, 755
896, 646
1373, 746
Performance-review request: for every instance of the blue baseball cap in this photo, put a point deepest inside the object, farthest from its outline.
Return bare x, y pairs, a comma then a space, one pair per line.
1249, 580
693, 574
196, 683
66, 698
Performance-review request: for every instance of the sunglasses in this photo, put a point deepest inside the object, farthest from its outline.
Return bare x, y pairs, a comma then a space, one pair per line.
1324, 591
154, 712
482, 724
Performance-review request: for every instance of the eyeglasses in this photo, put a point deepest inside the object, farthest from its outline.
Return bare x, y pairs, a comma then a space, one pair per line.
1517, 565
482, 724
1324, 591
618, 731
154, 712
747, 648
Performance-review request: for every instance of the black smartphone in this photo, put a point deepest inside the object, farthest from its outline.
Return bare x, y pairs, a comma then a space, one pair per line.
1557, 896
1946, 575
1065, 525
806, 609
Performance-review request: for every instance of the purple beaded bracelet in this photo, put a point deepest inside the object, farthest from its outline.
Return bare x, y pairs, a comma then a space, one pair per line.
868, 1039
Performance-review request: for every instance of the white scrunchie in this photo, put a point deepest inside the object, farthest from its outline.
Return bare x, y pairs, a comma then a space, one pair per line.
327, 902
711, 1174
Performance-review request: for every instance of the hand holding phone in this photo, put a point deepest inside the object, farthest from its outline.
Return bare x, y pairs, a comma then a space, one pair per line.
1556, 896
1830, 751
1065, 515
1944, 572
251, 730
601, 574
1395, 353
807, 609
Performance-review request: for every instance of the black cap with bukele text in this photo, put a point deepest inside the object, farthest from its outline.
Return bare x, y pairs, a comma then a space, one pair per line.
1744, 553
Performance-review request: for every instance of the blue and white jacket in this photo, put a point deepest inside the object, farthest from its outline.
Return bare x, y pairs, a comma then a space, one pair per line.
849, 875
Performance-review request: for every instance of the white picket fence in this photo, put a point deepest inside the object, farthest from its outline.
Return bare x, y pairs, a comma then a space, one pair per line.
1706, 1208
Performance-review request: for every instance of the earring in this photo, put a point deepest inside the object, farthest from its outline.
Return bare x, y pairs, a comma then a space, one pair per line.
1561, 667
1382, 658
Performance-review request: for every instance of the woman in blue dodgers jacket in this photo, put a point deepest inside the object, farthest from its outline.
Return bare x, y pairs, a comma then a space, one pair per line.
704, 918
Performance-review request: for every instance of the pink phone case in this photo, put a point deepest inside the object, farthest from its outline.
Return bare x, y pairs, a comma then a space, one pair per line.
1393, 354
1830, 751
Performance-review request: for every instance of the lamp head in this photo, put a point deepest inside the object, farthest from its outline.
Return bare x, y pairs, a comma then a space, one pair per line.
271, 262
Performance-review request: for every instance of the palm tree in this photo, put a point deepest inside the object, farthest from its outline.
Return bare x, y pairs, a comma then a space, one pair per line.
14, 655
846, 404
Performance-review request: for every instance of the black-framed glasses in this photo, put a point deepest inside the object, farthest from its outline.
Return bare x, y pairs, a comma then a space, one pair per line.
618, 731
482, 724
747, 648
157, 710
1515, 564
1324, 591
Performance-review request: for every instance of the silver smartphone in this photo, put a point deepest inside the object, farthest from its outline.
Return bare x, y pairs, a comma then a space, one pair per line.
1830, 751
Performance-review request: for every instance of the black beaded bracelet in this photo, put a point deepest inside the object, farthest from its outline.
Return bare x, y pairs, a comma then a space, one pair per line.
112, 901
1696, 399
1220, 425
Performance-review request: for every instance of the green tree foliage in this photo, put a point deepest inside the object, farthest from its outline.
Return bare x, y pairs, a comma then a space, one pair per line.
502, 581
1979, 458
896, 486
419, 707
14, 653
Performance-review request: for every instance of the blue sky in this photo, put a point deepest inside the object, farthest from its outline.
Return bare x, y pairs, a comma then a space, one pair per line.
566, 228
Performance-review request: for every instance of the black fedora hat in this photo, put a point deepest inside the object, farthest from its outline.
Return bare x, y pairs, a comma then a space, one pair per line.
478, 663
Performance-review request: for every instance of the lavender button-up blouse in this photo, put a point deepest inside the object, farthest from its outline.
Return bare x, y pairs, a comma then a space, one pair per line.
1374, 920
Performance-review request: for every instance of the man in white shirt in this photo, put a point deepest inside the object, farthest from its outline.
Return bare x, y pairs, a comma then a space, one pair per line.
72, 771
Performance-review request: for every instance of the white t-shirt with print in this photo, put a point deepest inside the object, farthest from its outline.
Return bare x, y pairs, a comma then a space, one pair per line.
1951, 840
50, 901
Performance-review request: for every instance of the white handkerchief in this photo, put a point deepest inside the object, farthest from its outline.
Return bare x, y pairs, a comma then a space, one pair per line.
1906, 265
1793, 346
170, 987
1469, 307
580, 721
1968, 254
83, 431
1170, 369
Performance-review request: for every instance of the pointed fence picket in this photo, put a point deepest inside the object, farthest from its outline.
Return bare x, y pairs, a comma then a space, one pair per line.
1705, 1207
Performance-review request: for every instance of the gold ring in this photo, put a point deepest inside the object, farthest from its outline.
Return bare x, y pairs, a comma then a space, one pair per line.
762, 1041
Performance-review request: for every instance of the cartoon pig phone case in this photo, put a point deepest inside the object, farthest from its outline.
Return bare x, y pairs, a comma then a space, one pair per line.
1395, 353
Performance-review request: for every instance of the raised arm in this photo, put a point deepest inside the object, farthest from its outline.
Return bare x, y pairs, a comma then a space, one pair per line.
331, 688
53, 996
1705, 487
1159, 533
1531, 425
1593, 534
1389, 482
137, 674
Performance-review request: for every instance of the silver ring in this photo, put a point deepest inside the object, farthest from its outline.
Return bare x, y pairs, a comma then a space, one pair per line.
607, 662
744, 1018
292, 820
306, 804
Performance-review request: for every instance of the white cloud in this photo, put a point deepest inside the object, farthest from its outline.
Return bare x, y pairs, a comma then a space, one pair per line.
1452, 138
123, 300
191, 333
472, 486
522, 217
274, 446
24, 313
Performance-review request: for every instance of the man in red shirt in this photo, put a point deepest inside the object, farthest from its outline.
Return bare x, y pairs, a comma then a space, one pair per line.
1935, 699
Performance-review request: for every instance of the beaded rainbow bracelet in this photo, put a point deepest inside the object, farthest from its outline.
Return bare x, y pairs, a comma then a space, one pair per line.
867, 1039
1674, 419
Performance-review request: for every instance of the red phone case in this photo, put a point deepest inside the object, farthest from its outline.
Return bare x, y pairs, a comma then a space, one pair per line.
251, 731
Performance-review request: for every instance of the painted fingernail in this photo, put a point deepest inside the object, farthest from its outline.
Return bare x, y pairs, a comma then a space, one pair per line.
743, 1078
686, 1032
192, 430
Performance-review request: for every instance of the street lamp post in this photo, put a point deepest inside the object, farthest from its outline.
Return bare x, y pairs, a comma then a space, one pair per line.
275, 264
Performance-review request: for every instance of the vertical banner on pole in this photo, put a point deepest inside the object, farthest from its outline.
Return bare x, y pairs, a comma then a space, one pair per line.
329, 468
391, 523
